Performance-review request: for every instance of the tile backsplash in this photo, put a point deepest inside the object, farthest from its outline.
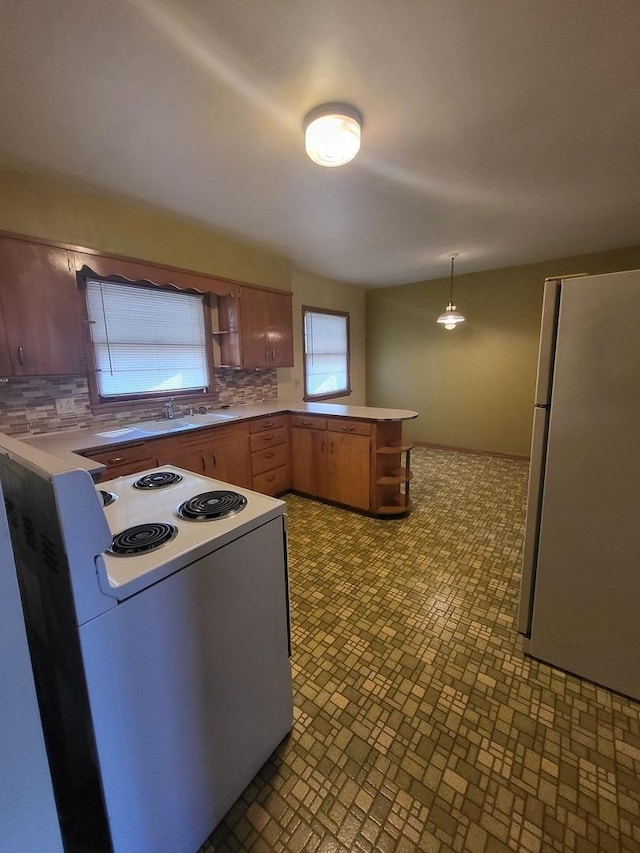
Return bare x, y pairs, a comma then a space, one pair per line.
28, 406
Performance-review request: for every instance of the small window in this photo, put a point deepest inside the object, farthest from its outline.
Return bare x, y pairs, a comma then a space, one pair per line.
146, 341
326, 354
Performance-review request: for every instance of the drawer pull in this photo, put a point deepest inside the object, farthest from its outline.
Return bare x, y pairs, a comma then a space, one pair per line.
267, 425
269, 455
21, 355
271, 478
116, 459
348, 429
306, 423
267, 437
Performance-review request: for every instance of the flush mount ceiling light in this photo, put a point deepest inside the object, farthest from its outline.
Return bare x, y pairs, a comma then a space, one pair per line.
451, 317
332, 134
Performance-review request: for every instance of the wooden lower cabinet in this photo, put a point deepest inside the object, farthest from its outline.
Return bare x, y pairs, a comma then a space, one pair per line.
221, 453
269, 441
359, 464
331, 460
308, 461
348, 469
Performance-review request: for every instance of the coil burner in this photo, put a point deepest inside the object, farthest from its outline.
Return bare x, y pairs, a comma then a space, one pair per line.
210, 506
142, 538
158, 480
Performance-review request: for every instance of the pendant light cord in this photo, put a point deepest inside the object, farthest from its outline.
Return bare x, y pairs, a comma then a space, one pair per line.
451, 283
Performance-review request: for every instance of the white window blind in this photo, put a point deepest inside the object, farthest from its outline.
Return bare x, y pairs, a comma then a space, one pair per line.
146, 340
326, 353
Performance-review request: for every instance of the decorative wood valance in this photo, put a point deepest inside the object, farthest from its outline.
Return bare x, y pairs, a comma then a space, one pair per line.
132, 272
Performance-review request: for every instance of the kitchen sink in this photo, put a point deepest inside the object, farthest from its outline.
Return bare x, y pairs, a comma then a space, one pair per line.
167, 425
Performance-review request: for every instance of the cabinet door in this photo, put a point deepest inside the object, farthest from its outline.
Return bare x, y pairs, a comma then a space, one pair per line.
190, 453
280, 330
254, 318
308, 461
230, 461
42, 309
348, 469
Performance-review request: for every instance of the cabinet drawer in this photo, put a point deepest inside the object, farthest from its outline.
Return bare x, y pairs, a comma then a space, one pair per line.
263, 424
351, 427
272, 482
202, 438
122, 455
308, 422
261, 440
269, 458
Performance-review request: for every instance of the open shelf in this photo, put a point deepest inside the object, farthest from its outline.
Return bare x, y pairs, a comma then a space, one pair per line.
398, 476
391, 449
393, 473
397, 507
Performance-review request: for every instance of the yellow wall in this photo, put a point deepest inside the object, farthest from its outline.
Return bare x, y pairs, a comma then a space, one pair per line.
317, 292
473, 386
40, 207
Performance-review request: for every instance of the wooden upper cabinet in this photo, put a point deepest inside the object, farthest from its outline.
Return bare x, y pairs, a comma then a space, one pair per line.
41, 310
256, 328
280, 329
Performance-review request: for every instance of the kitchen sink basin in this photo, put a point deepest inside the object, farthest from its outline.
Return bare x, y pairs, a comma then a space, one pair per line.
167, 425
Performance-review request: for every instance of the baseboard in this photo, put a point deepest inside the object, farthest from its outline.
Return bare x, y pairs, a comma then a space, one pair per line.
521, 457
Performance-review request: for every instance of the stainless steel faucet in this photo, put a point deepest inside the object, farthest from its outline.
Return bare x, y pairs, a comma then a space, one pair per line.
169, 407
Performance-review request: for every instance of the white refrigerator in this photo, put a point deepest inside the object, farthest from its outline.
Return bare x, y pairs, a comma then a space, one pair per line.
580, 594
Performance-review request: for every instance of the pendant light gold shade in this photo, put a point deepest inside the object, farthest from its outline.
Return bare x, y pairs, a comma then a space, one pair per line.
451, 316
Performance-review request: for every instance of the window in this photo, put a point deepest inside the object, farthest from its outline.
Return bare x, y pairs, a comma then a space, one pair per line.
326, 354
146, 341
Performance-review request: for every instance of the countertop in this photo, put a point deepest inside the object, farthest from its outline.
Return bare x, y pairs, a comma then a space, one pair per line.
69, 444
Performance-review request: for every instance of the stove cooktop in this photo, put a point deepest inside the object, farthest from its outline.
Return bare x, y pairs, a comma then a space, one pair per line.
158, 506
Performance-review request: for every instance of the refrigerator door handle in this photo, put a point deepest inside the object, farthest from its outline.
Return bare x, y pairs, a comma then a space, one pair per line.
534, 511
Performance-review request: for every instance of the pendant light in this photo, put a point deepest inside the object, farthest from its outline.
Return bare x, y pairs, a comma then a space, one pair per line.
332, 134
451, 317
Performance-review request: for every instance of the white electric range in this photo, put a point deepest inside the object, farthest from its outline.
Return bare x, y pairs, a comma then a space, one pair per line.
163, 675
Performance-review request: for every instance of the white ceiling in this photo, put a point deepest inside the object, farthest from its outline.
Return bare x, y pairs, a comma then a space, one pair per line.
505, 130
